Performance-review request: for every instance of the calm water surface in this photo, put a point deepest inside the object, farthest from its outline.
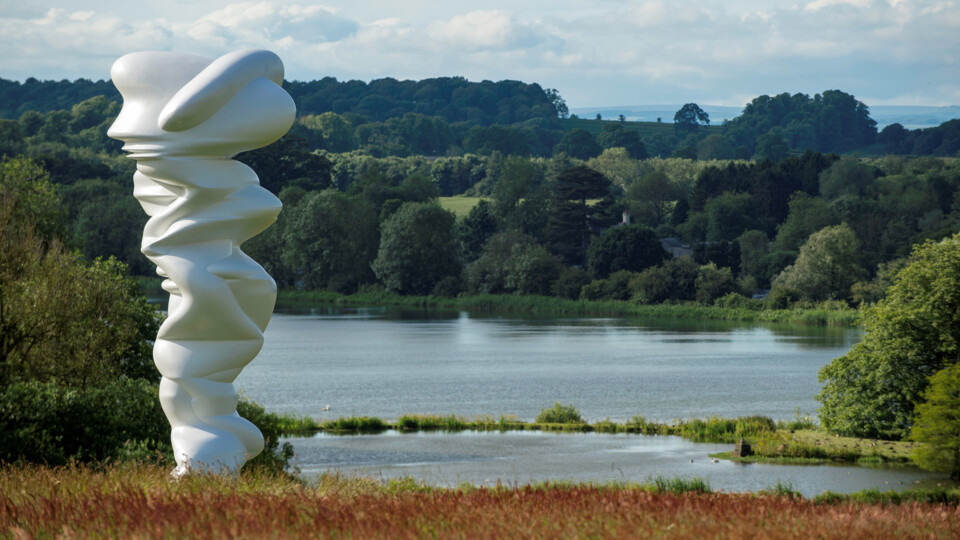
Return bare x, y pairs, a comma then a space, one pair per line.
388, 362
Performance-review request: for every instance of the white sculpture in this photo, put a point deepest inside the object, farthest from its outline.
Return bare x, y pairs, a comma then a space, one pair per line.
183, 118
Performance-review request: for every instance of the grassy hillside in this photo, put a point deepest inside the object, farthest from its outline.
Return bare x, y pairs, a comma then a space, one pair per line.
459, 205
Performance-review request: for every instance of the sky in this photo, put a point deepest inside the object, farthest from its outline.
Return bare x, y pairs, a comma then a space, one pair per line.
594, 52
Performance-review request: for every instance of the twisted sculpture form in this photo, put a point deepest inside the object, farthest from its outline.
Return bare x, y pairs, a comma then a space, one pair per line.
184, 117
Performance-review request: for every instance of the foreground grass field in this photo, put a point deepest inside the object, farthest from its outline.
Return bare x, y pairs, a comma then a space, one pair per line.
140, 502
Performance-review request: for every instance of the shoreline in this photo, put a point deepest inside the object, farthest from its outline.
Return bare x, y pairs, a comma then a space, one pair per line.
799, 442
547, 305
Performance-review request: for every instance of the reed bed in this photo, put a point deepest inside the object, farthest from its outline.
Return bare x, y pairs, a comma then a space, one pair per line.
140, 502
830, 315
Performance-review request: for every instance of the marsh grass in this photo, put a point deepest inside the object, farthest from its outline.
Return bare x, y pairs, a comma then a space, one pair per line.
355, 424
772, 442
678, 485
140, 501
782, 489
293, 424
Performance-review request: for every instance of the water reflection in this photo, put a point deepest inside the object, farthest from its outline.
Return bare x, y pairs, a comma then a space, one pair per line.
388, 362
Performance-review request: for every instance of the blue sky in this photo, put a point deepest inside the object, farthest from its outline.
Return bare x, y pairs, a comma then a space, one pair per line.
595, 52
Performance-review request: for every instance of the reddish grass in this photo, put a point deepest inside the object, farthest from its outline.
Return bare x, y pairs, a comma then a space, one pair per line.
140, 502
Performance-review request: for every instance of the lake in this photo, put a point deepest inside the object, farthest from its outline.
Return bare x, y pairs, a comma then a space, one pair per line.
387, 362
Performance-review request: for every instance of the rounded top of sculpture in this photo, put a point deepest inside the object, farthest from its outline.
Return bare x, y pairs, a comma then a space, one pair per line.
175, 102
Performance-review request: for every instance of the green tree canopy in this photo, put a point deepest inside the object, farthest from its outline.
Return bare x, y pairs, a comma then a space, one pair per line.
570, 222
329, 241
827, 266
689, 117
62, 319
937, 424
807, 216
616, 136
627, 247
578, 143
911, 334
418, 248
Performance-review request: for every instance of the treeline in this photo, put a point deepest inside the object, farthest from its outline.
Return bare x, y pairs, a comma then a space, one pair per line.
752, 218
813, 228
454, 99
452, 116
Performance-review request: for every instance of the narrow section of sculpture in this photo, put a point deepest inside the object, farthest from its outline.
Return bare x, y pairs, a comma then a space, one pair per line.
183, 119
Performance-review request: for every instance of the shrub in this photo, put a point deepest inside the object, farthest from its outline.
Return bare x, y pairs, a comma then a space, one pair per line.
448, 287
782, 298
570, 282
616, 287
47, 423
560, 414
275, 457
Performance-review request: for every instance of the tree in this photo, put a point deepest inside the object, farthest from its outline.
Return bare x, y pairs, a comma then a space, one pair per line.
892, 137
730, 215
288, 161
753, 246
578, 143
827, 266
652, 196
772, 146
570, 223
616, 136
675, 280
519, 176
628, 247
807, 216
617, 165
713, 282
475, 229
845, 177
715, 146
418, 248
937, 425
329, 241
689, 118
62, 319
911, 334
557, 101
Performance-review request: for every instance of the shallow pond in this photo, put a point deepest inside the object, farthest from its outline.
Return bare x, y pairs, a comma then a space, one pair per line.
448, 459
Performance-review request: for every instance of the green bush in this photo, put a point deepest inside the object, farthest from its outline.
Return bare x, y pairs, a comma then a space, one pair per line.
559, 414
119, 420
781, 298
275, 457
47, 423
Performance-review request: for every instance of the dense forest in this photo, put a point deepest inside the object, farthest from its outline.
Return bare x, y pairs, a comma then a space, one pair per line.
589, 216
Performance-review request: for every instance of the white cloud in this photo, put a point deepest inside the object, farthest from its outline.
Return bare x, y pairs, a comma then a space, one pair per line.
604, 51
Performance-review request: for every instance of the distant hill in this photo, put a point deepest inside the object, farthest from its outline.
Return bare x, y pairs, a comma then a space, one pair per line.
453, 98
910, 117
